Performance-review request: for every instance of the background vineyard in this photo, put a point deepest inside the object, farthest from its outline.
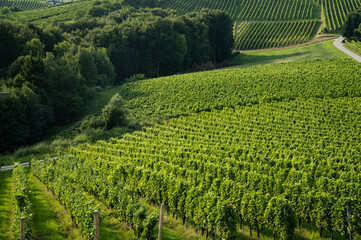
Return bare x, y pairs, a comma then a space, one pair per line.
257, 35
257, 19
25, 5
233, 7
336, 11
258, 23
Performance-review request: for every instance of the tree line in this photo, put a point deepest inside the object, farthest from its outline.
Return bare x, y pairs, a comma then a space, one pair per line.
51, 71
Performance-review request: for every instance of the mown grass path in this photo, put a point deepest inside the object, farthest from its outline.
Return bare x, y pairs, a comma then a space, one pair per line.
51, 221
5, 205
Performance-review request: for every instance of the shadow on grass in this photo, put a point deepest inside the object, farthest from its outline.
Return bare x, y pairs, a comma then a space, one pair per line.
45, 223
246, 59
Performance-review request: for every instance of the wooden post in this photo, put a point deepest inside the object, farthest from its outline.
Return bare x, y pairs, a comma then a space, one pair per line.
160, 222
96, 225
348, 212
22, 228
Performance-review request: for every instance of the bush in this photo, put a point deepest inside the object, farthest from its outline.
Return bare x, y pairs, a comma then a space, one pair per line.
112, 115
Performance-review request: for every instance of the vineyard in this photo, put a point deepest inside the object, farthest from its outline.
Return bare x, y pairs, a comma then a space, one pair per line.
267, 146
250, 163
24, 5
165, 97
336, 11
261, 21
277, 10
257, 35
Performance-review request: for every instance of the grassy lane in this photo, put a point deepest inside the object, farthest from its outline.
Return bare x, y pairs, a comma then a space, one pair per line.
313, 51
51, 221
5, 205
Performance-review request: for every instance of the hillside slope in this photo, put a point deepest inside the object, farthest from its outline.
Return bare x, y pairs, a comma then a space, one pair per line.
275, 137
195, 92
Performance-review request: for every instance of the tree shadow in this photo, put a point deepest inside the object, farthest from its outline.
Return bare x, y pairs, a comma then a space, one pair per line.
245, 59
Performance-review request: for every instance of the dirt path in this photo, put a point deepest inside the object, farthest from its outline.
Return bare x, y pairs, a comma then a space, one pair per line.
338, 43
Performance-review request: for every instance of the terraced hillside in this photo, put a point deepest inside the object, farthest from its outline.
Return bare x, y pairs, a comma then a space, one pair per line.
24, 5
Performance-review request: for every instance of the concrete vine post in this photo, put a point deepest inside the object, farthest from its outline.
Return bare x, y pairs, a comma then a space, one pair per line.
160, 222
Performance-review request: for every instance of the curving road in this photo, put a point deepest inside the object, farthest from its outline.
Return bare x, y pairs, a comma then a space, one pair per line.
338, 43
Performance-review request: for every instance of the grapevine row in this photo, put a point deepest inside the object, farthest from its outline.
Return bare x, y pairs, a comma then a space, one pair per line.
22, 204
276, 10
70, 192
356, 46
79, 207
